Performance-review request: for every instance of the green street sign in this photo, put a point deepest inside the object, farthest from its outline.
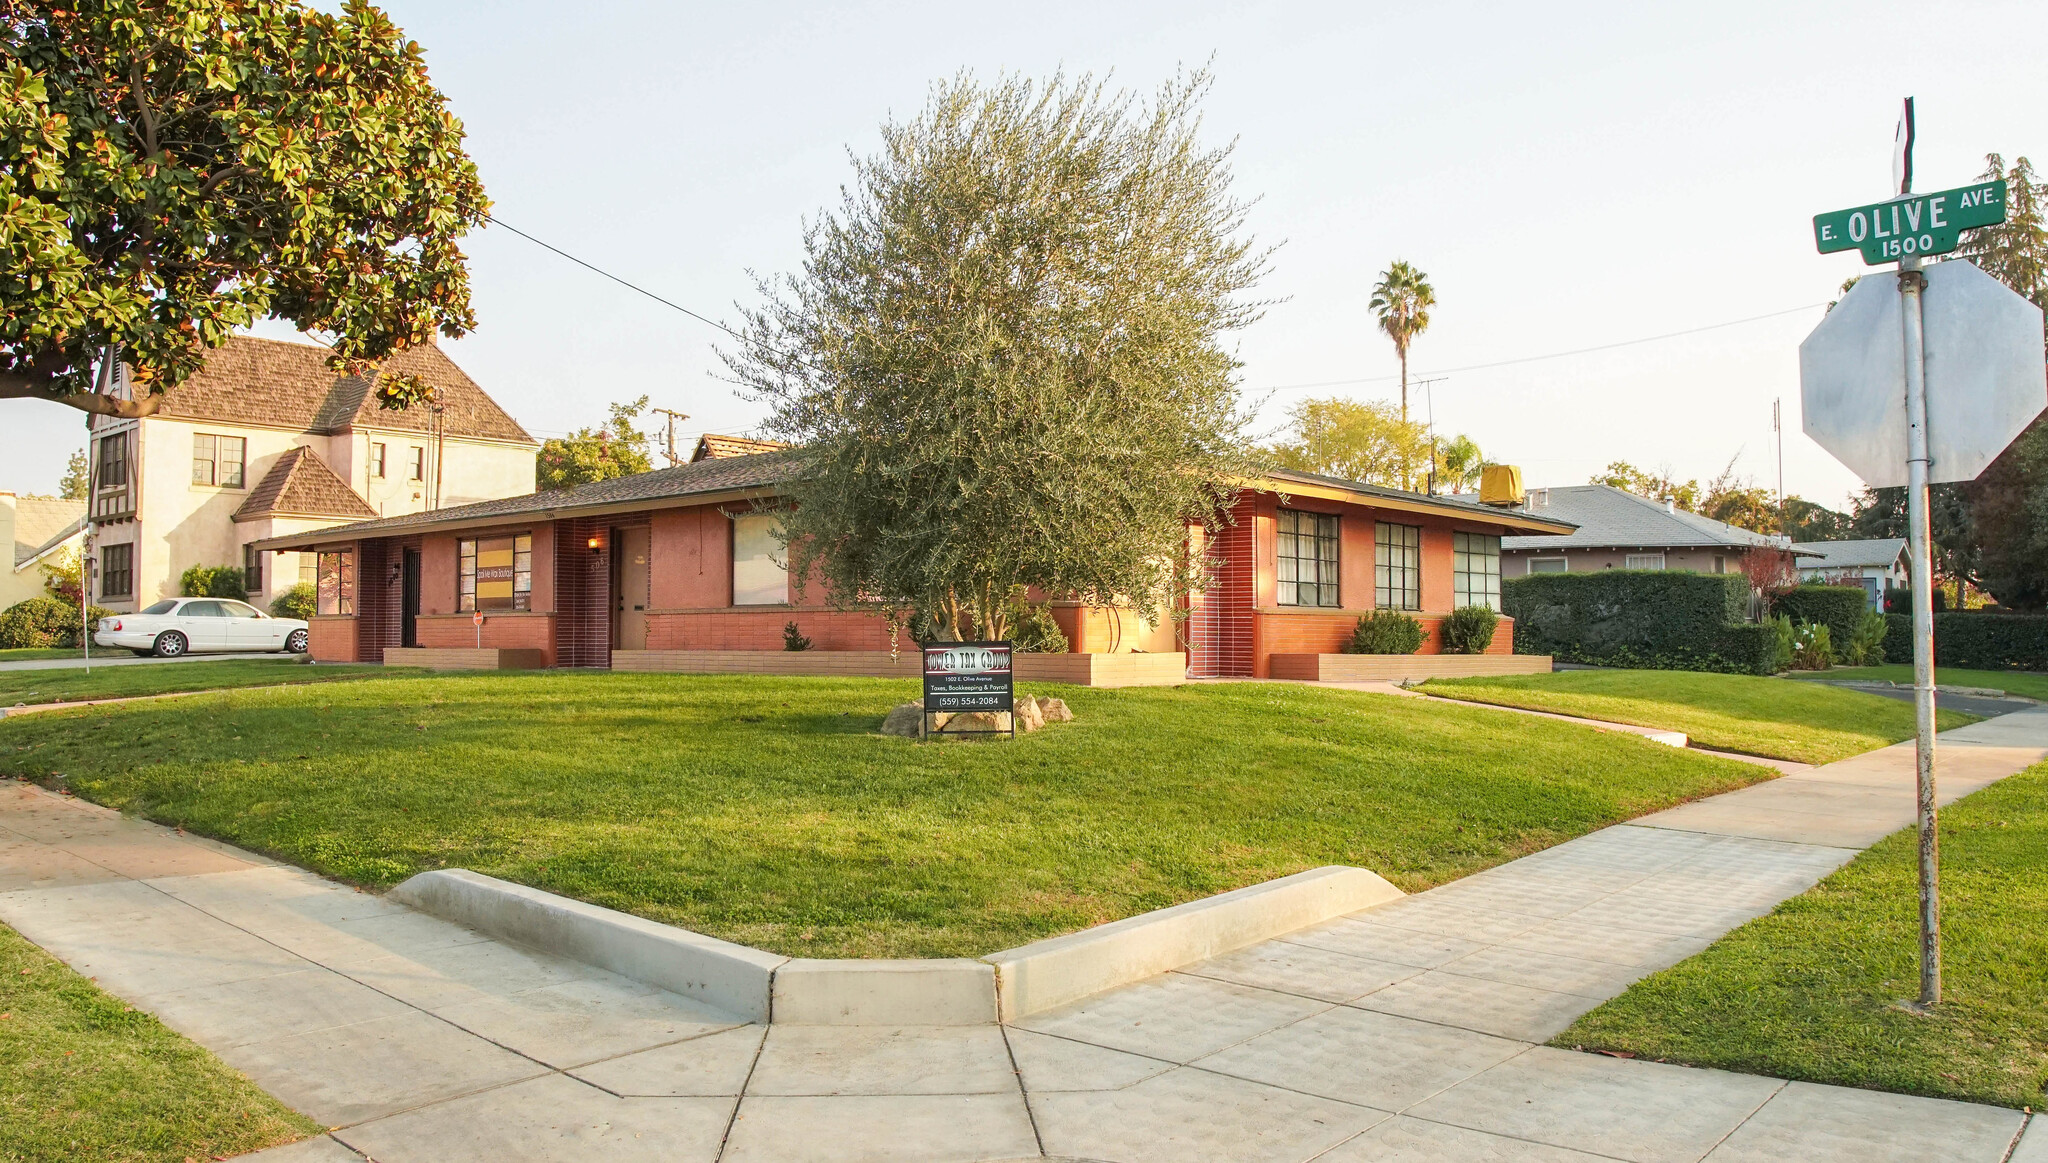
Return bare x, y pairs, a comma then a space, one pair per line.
1913, 225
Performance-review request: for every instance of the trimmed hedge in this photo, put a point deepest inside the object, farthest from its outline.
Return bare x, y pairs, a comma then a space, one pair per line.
1839, 608
43, 623
1976, 641
1644, 619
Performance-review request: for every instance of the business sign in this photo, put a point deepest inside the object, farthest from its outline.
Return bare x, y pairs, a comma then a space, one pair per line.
1914, 225
968, 676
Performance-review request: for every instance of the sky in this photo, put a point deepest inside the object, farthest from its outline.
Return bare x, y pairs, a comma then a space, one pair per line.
1570, 176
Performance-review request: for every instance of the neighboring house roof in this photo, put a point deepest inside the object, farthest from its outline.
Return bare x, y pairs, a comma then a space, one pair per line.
1611, 518
301, 485
1278, 479
41, 524
289, 385
760, 471
1880, 552
712, 446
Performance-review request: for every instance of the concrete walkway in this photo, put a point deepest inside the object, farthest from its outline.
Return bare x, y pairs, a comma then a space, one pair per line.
1406, 1032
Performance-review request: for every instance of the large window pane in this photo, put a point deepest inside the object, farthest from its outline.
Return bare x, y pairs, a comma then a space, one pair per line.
495, 573
1397, 566
1475, 570
1307, 548
205, 451
337, 582
760, 575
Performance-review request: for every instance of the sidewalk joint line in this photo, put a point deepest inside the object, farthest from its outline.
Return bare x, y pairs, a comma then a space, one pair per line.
1030, 1115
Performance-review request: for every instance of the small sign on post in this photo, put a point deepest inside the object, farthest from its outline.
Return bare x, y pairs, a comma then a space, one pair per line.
477, 619
965, 677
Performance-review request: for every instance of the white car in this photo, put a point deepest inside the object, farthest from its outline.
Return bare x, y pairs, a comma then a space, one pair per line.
179, 626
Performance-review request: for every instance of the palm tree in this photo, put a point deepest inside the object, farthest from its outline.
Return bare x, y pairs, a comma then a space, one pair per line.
1402, 300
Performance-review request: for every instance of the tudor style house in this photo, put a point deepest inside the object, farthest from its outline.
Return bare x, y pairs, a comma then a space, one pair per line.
266, 440
682, 569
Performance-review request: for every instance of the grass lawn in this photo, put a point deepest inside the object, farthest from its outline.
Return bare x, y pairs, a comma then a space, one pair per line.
1807, 992
38, 653
1727, 712
2013, 682
85, 1077
770, 811
72, 683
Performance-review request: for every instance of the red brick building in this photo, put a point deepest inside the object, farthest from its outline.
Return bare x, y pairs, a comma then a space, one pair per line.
681, 560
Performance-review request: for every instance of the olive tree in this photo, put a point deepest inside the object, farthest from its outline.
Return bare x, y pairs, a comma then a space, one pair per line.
171, 170
1003, 356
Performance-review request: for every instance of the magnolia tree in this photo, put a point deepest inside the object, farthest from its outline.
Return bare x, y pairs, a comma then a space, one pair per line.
171, 170
1003, 356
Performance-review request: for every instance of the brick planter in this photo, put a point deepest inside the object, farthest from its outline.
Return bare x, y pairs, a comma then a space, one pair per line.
1100, 670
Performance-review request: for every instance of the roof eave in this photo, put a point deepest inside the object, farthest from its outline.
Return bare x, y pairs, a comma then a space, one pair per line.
341, 534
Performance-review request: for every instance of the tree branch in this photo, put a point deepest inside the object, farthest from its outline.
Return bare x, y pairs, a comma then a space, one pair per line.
30, 386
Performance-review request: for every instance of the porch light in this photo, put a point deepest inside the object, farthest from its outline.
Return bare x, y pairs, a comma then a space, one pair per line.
594, 545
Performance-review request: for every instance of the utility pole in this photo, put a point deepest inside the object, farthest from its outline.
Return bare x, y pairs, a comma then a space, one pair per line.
1778, 426
673, 416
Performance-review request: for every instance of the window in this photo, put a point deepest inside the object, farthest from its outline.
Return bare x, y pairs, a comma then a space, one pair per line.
1643, 561
308, 572
1397, 566
117, 571
163, 607
1720, 564
337, 582
496, 573
113, 496
1308, 559
217, 460
252, 569
377, 460
1547, 565
201, 610
1475, 570
233, 609
417, 470
114, 461
760, 577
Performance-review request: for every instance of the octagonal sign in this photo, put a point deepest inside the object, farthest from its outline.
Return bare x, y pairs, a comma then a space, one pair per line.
1986, 378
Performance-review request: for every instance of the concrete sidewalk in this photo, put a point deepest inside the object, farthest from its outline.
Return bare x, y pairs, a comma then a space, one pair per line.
1406, 1032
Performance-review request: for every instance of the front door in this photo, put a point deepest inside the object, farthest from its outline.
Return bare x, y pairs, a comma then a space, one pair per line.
630, 589
409, 619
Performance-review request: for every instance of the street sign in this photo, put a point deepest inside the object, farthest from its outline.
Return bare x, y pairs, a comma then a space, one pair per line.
1909, 226
1986, 380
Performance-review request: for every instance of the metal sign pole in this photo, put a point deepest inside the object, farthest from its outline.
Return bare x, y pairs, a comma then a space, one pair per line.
1919, 537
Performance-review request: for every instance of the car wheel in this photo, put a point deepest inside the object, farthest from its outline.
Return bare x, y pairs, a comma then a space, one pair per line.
295, 642
170, 644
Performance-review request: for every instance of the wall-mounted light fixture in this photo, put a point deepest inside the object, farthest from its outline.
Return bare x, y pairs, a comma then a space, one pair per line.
596, 545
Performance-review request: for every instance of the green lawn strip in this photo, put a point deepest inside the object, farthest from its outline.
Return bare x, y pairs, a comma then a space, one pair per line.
1728, 712
38, 654
2026, 684
770, 811
1808, 992
70, 684
83, 1076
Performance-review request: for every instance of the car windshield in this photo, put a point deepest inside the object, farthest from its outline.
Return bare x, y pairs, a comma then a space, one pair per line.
163, 607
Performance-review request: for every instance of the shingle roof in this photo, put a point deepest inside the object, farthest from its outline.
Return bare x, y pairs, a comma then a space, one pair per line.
684, 480
301, 485
1611, 518
289, 385
43, 522
1879, 551
1450, 502
712, 446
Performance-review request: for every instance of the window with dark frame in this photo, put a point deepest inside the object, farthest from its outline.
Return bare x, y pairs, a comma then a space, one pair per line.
113, 461
377, 460
217, 460
1308, 559
1397, 566
252, 569
117, 571
1475, 570
336, 584
495, 573
417, 470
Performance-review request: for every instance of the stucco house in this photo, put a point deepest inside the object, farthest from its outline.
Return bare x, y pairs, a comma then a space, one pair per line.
1875, 564
682, 569
41, 531
1617, 529
267, 440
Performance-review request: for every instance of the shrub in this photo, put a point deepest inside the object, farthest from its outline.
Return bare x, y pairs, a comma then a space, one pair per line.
1839, 608
1782, 636
1811, 647
1977, 641
300, 601
1650, 619
1032, 629
793, 638
1386, 632
1468, 630
1755, 648
213, 581
1866, 645
43, 623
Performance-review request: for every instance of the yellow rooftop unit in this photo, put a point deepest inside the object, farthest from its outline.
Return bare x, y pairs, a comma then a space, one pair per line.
1500, 484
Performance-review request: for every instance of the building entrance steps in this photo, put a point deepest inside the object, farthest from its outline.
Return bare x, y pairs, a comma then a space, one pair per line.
1402, 1032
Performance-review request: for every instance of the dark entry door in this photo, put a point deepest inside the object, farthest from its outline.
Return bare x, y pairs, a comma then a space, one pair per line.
409, 623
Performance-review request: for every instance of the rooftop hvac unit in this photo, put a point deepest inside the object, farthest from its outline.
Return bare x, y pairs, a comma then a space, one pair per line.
1501, 485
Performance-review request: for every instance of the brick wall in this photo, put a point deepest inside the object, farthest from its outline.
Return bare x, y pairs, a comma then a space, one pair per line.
761, 629
332, 638
583, 620
1221, 626
501, 631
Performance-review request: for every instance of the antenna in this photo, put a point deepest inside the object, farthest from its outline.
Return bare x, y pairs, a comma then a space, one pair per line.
1429, 394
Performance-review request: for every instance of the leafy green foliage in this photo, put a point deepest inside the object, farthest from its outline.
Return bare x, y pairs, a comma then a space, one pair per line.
44, 622
1649, 619
300, 601
793, 638
1812, 646
64, 576
1003, 357
1980, 641
1386, 632
1401, 301
213, 581
1032, 629
1468, 630
1807, 521
1866, 646
178, 169
618, 449
77, 477
1839, 608
1368, 441
1783, 638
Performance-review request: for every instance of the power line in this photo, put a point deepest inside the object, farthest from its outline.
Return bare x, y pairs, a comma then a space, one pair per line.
1553, 355
495, 221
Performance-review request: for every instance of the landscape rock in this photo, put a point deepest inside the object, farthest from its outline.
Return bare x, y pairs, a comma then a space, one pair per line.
1054, 710
1029, 717
904, 719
